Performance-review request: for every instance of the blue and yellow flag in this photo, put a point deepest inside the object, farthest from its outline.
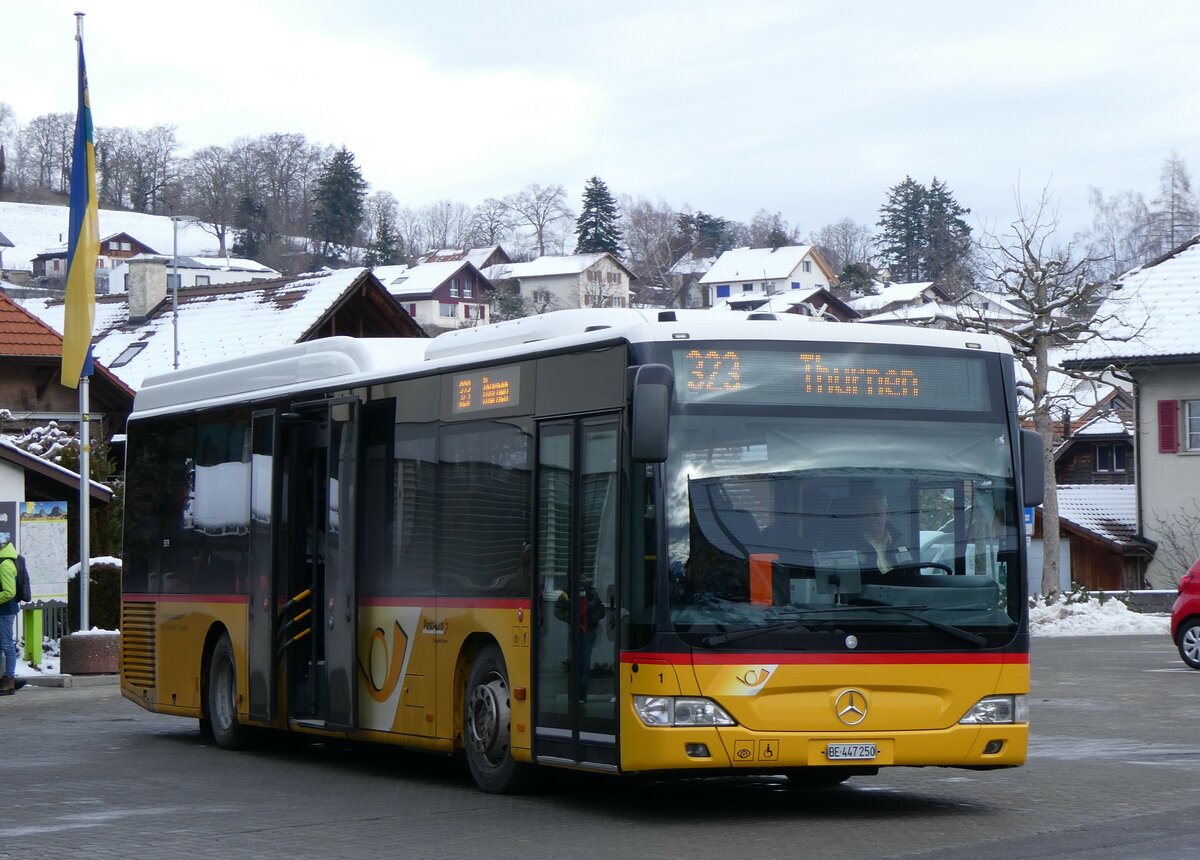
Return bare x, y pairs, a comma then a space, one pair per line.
83, 245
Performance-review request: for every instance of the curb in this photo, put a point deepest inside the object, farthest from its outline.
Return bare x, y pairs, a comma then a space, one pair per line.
71, 680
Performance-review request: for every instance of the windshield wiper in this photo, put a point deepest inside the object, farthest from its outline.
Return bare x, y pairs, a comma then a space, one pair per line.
907, 612
750, 632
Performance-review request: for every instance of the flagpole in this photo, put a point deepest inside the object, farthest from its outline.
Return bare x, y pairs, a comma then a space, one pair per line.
85, 545
85, 452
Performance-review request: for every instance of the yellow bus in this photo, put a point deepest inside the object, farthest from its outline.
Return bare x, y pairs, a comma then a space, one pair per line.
650, 542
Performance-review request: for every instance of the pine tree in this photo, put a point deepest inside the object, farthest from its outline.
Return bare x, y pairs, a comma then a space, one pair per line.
707, 235
338, 208
902, 230
597, 226
923, 236
947, 236
385, 244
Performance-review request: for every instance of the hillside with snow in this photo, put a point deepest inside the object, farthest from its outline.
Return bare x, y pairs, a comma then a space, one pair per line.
34, 228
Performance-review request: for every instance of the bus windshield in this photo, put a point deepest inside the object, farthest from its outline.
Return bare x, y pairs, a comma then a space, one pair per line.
786, 529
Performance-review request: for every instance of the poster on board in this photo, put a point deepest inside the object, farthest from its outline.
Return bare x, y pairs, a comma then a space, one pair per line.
44, 545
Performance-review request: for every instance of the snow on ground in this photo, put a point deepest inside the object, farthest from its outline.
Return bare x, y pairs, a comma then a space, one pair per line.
1090, 618
1093, 618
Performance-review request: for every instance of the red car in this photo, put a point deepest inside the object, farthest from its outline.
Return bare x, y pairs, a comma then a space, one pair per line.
1185, 617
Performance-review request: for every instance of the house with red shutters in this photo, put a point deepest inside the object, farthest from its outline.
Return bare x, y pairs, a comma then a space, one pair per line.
1148, 332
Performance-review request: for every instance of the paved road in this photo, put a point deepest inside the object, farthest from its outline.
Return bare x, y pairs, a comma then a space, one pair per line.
1111, 775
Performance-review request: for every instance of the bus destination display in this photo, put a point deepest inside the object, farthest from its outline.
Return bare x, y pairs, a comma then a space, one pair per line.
496, 388
772, 377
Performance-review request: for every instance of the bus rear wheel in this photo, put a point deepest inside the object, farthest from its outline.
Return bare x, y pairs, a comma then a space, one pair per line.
487, 726
228, 733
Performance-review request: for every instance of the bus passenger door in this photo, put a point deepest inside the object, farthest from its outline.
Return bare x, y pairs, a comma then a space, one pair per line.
316, 624
578, 498
264, 495
341, 599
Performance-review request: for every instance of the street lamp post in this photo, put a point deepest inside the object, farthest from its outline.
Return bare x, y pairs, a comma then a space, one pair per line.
175, 219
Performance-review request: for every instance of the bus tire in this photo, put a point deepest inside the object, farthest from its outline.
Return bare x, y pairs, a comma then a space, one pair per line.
487, 726
228, 733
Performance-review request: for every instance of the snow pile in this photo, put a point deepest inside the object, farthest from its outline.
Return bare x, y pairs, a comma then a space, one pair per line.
1070, 616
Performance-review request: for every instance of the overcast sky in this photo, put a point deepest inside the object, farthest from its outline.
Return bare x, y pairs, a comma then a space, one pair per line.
810, 109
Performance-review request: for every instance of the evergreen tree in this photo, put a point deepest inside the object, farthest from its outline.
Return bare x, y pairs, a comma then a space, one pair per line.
902, 230
947, 236
923, 236
597, 225
249, 237
338, 207
707, 235
385, 244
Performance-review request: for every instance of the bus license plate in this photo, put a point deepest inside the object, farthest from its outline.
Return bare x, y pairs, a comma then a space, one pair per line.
851, 752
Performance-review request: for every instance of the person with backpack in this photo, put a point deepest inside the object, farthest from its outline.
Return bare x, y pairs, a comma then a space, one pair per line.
9, 605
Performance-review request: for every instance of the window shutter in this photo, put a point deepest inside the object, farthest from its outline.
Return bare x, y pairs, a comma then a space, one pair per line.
1168, 426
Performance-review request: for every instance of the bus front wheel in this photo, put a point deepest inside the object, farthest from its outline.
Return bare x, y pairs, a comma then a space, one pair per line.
487, 726
228, 733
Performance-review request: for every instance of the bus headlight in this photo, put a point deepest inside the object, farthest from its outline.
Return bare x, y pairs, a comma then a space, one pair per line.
680, 711
998, 709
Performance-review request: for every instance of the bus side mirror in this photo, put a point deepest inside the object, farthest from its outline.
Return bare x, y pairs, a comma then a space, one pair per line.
651, 412
1033, 470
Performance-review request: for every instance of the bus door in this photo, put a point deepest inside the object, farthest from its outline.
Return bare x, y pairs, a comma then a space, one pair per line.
316, 623
264, 495
575, 694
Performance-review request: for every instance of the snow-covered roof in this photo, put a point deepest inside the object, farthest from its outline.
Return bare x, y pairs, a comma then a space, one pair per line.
34, 228
475, 256
1108, 511
61, 474
890, 294
550, 266
757, 264
786, 301
410, 282
1105, 424
1151, 312
924, 313
214, 322
690, 264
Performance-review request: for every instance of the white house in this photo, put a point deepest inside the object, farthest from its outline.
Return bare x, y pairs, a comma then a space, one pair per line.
448, 294
1148, 329
569, 281
766, 271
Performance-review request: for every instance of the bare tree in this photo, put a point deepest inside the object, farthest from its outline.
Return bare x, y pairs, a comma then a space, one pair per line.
211, 191
411, 224
8, 137
544, 210
45, 145
771, 230
447, 224
843, 243
1059, 288
492, 223
1119, 230
1174, 216
1179, 536
655, 244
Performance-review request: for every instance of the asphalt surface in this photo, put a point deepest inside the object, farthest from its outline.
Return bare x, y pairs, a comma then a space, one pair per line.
1110, 775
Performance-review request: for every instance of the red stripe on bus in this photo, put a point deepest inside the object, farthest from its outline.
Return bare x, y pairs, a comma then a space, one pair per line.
448, 602
824, 659
186, 598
